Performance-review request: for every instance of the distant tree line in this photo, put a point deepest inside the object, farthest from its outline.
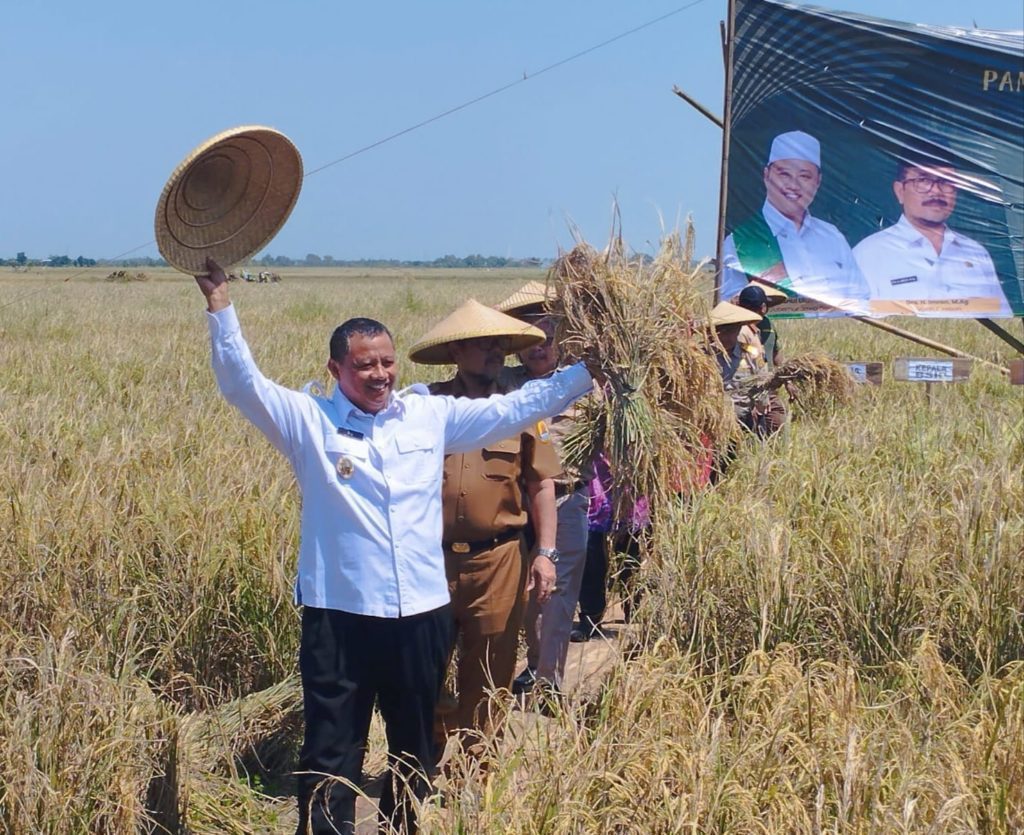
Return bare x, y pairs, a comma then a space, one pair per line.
311, 260
22, 260
448, 261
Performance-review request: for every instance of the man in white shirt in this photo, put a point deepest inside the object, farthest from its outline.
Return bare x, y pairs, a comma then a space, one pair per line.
919, 259
785, 244
376, 623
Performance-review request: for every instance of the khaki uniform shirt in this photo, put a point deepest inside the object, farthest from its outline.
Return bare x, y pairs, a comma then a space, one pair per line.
746, 360
482, 494
555, 428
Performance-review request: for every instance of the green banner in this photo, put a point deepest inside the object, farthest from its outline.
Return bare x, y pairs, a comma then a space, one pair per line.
876, 168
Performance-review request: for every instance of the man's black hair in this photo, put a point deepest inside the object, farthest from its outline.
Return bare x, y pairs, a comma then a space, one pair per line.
359, 325
920, 161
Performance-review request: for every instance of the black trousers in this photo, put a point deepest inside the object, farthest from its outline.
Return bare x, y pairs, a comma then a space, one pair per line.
627, 546
593, 589
347, 663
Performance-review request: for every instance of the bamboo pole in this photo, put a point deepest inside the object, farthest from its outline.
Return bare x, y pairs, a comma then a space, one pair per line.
700, 108
928, 343
728, 30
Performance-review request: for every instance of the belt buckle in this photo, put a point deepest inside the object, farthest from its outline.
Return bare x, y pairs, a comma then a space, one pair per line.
460, 548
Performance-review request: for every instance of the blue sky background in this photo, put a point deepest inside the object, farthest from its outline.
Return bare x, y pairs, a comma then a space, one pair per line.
102, 100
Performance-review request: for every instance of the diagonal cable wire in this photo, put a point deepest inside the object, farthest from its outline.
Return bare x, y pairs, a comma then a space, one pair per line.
527, 76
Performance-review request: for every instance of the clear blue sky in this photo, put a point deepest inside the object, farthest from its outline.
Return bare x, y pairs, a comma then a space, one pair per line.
101, 100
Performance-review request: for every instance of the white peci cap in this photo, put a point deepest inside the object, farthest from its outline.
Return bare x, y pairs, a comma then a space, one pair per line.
795, 145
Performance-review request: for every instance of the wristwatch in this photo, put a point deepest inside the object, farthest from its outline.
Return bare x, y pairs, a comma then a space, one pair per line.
550, 553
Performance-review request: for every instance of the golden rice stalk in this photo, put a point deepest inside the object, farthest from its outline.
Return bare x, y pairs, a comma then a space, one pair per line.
211, 738
645, 322
817, 385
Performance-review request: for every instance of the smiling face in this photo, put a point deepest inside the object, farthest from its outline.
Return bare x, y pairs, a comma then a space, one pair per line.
790, 185
927, 195
543, 358
366, 374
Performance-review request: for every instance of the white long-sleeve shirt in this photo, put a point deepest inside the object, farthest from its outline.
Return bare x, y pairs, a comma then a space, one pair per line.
818, 260
370, 536
901, 264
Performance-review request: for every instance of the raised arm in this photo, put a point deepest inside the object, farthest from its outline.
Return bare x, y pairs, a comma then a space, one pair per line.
472, 423
273, 409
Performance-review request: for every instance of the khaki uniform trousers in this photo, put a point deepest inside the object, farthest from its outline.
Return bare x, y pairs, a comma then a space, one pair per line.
487, 591
548, 626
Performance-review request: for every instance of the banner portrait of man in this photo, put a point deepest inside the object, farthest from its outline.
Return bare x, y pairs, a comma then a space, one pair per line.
842, 135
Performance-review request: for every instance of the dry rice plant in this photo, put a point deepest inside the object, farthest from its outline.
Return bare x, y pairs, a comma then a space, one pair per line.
780, 745
818, 385
832, 637
645, 325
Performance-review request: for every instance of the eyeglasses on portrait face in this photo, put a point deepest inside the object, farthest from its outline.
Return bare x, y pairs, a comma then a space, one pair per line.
925, 184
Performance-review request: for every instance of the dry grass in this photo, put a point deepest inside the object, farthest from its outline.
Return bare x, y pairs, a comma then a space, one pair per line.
645, 323
817, 385
832, 637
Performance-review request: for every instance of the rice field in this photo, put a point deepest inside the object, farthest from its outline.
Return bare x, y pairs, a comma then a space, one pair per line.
831, 640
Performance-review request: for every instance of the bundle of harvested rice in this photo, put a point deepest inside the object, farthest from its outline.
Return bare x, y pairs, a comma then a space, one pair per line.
816, 384
645, 323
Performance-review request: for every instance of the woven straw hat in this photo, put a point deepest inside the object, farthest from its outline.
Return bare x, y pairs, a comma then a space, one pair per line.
727, 313
228, 198
527, 300
770, 291
470, 321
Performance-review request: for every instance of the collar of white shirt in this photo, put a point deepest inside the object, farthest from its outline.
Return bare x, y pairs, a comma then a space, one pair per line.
907, 232
396, 403
782, 225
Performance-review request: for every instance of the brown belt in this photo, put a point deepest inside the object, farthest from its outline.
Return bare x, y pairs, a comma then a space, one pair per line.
482, 544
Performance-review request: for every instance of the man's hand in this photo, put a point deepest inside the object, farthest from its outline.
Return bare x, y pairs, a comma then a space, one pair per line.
214, 285
592, 361
542, 577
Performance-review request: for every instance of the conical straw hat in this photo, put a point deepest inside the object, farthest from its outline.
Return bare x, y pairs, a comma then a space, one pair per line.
727, 313
470, 321
228, 198
528, 299
770, 291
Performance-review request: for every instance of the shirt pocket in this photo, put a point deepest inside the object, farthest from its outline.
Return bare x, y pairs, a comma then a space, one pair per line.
345, 456
416, 461
501, 459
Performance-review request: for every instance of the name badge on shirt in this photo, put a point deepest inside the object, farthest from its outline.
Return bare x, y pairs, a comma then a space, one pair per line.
350, 433
542, 432
907, 279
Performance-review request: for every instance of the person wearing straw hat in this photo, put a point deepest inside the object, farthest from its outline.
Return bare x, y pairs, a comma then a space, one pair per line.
757, 299
484, 498
740, 358
548, 625
784, 243
376, 619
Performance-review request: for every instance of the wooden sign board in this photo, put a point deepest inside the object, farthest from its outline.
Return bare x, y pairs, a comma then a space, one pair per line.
931, 369
866, 372
1017, 372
